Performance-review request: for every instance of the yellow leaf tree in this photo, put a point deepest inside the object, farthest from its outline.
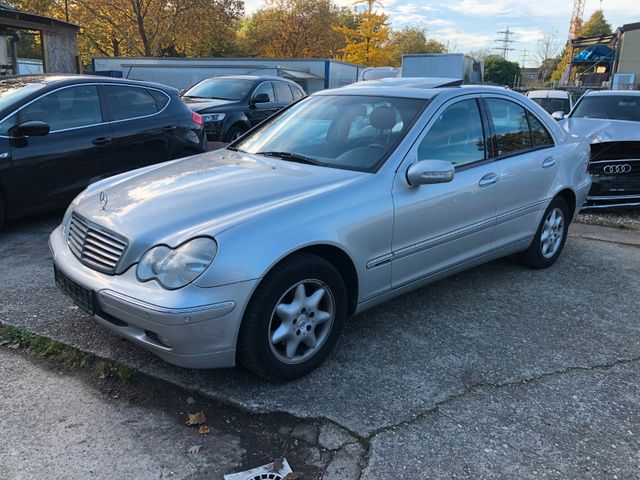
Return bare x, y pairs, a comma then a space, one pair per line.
368, 43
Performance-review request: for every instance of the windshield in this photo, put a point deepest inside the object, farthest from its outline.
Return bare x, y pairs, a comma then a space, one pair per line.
223, 88
351, 132
612, 107
553, 104
16, 89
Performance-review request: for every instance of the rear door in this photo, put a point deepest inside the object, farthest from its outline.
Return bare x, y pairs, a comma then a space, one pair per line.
442, 225
525, 156
258, 112
50, 170
143, 130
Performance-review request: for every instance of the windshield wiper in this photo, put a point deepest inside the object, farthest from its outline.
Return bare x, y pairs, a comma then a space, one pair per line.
292, 157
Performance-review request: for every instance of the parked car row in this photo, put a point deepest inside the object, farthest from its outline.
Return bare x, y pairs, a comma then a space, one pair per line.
320, 208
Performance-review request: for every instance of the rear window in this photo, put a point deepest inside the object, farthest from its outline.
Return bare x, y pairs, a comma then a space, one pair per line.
553, 104
611, 107
130, 102
283, 92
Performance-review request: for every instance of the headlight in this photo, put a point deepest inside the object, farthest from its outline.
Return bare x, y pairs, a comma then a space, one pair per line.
175, 268
213, 117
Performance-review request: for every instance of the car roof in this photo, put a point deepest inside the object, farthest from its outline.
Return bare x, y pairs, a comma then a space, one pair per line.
548, 94
252, 77
410, 89
61, 80
593, 93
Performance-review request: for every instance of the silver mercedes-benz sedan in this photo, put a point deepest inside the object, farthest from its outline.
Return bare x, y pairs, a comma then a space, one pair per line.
257, 253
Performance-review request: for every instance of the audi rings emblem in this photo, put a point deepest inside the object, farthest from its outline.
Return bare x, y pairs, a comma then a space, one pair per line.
610, 169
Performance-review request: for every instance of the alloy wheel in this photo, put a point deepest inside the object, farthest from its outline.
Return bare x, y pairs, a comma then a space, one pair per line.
552, 233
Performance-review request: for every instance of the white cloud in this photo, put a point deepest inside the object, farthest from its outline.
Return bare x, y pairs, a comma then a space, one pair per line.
481, 8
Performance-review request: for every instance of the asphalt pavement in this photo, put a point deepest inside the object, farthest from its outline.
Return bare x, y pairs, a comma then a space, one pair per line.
498, 372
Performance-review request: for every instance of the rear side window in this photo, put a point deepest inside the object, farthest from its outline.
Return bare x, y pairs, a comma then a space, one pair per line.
129, 102
67, 108
539, 134
456, 136
511, 126
296, 92
161, 98
265, 87
283, 92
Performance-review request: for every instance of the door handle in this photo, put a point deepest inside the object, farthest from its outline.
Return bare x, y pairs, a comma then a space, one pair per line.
548, 162
169, 128
488, 179
101, 141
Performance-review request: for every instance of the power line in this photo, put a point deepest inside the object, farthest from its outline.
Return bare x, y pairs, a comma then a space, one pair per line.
505, 40
524, 58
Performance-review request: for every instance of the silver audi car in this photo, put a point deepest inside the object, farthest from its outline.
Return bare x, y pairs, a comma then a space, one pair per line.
257, 253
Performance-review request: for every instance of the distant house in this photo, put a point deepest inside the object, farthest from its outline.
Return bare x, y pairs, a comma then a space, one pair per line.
530, 77
627, 59
32, 43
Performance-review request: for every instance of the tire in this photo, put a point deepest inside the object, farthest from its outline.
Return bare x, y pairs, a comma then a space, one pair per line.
234, 133
549, 240
278, 308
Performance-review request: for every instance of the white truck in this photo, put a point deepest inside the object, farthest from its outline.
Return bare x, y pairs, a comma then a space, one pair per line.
447, 65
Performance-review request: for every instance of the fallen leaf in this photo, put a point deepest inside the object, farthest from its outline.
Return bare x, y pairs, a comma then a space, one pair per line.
294, 476
14, 346
193, 450
196, 418
204, 430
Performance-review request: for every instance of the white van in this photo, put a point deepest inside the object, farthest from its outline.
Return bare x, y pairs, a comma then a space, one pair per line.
552, 100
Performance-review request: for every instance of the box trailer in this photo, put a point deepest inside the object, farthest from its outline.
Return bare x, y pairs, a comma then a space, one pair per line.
312, 74
447, 65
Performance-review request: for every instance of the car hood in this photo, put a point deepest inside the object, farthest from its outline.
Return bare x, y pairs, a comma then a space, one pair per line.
203, 104
602, 130
201, 195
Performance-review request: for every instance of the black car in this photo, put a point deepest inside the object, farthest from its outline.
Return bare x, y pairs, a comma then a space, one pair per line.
60, 133
231, 105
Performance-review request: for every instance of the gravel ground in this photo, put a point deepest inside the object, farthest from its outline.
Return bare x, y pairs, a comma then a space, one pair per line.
622, 219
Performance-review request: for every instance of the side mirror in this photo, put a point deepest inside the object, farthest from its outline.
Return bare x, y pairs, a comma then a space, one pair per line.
33, 128
559, 115
261, 98
425, 172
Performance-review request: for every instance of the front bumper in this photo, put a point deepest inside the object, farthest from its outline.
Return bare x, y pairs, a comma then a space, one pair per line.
191, 327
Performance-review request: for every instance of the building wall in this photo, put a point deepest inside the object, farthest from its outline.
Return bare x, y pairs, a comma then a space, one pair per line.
629, 54
60, 51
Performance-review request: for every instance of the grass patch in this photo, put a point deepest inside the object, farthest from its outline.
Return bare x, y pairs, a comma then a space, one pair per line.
19, 338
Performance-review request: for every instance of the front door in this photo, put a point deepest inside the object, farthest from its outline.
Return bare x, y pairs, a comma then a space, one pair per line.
438, 226
49, 171
260, 111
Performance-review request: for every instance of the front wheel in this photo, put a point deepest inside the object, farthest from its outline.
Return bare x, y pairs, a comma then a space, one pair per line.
293, 320
550, 236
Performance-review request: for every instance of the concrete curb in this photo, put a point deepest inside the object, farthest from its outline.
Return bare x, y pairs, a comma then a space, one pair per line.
605, 234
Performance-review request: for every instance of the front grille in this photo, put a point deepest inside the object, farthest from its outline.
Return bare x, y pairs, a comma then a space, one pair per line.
95, 246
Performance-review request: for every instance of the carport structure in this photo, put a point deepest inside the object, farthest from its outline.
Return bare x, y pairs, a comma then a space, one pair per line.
55, 38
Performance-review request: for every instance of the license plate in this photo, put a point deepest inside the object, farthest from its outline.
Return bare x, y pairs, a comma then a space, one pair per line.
81, 296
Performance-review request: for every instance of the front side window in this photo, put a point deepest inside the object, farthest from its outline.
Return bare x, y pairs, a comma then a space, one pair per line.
353, 132
129, 102
511, 126
612, 107
267, 88
67, 108
456, 136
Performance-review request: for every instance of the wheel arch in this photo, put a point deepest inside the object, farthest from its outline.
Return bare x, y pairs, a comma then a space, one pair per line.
570, 198
341, 262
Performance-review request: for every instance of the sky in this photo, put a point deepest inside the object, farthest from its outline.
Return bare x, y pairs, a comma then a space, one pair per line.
468, 25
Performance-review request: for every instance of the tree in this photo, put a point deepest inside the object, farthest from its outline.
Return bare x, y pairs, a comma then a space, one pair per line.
412, 40
481, 54
500, 71
293, 28
548, 50
146, 27
596, 25
368, 42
